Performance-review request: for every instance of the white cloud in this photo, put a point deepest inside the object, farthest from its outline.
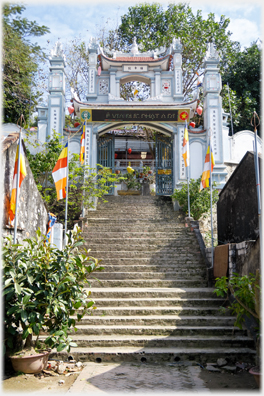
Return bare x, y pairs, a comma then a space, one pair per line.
244, 31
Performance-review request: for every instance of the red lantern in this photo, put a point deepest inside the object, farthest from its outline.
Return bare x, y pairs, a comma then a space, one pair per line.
70, 110
129, 151
192, 124
76, 124
115, 155
199, 110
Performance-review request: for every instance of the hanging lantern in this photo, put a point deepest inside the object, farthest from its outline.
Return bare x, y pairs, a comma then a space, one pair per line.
115, 155
192, 124
70, 110
76, 124
129, 151
199, 110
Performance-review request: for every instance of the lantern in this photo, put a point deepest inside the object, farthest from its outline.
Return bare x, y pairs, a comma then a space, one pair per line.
76, 124
115, 155
192, 124
199, 110
70, 110
129, 151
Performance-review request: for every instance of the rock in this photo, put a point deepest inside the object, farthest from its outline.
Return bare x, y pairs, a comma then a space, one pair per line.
221, 362
60, 368
231, 369
61, 382
212, 368
79, 364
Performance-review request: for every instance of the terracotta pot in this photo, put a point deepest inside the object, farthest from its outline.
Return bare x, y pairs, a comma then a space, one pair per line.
257, 374
30, 364
117, 172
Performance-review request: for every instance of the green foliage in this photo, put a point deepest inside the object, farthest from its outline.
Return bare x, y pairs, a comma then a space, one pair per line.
131, 181
19, 62
199, 200
246, 291
43, 288
243, 77
84, 182
154, 26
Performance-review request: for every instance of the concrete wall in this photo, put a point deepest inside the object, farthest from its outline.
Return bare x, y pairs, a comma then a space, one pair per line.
32, 211
237, 210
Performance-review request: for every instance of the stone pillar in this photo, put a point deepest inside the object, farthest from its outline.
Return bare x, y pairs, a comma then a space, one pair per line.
177, 65
157, 83
92, 86
213, 112
42, 123
113, 83
56, 99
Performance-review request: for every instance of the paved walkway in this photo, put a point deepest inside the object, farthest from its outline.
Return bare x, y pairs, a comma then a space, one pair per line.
157, 378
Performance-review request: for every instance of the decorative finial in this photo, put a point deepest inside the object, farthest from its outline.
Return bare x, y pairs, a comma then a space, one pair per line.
134, 48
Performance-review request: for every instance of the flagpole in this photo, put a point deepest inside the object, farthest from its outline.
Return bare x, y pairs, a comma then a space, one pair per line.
211, 183
188, 177
17, 184
66, 202
257, 180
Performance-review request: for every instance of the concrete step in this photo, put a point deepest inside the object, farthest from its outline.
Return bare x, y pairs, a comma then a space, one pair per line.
158, 262
161, 302
160, 268
148, 283
150, 275
152, 292
160, 320
157, 310
155, 255
154, 341
156, 355
159, 330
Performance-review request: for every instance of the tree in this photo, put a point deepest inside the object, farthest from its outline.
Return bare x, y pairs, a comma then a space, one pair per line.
155, 27
243, 77
20, 60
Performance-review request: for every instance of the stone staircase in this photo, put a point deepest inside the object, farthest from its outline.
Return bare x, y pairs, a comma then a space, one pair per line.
152, 299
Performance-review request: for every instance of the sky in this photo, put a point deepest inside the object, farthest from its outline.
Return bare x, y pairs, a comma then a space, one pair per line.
68, 19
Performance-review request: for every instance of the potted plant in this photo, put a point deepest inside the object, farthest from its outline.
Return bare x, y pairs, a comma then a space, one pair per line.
133, 186
43, 287
244, 296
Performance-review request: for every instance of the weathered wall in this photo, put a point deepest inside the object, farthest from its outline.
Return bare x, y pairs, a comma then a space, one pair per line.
243, 258
237, 210
32, 211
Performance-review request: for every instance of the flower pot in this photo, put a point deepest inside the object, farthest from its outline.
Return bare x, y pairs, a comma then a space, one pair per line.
257, 374
129, 192
117, 172
30, 364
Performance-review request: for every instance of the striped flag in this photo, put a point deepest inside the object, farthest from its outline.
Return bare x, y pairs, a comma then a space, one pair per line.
199, 84
185, 147
59, 173
52, 219
205, 181
82, 151
22, 175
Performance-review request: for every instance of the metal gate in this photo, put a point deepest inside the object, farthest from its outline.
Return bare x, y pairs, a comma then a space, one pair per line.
106, 148
164, 165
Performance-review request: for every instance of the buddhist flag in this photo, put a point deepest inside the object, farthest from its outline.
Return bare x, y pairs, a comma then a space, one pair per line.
205, 181
59, 173
52, 219
185, 147
199, 84
82, 151
22, 175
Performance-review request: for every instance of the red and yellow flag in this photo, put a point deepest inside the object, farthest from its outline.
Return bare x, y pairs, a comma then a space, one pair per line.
205, 181
82, 151
22, 175
185, 147
59, 173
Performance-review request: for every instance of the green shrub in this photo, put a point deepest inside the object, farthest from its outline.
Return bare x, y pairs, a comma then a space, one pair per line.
43, 287
199, 200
